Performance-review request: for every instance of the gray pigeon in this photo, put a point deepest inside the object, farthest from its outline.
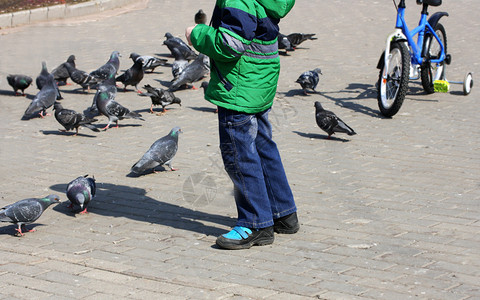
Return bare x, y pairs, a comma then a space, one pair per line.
42, 77
284, 43
179, 64
174, 42
329, 122
309, 80
44, 99
161, 152
200, 17
19, 82
132, 76
296, 39
80, 77
80, 192
160, 97
107, 106
70, 119
60, 73
26, 211
148, 62
195, 71
108, 69
107, 89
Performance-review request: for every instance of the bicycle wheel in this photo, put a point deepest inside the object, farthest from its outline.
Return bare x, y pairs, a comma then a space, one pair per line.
392, 90
433, 71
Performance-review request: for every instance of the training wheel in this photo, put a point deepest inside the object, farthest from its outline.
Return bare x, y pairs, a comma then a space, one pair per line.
467, 84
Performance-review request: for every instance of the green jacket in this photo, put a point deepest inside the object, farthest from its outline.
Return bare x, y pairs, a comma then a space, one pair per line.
242, 45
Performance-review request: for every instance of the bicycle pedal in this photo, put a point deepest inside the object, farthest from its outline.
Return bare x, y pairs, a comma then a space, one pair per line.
448, 59
441, 86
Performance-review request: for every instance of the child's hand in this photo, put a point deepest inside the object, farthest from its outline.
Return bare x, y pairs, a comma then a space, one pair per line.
188, 32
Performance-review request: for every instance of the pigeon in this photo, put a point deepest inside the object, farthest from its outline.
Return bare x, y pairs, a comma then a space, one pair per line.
60, 73
107, 106
329, 122
161, 152
195, 71
200, 17
132, 76
284, 43
70, 119
107, 89
42, 77
160, 97
179, 64
296, 39
80, 192
148, 62
309, 80
204, 86
26, 211
174, 42
109, 68
19, 82
80, 77
44, 99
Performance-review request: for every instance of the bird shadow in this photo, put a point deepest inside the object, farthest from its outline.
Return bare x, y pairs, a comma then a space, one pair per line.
120, 201
299, 92
77, 91
119, 126
10, 93
204, 109
169, 55
164, 82
153, 171
65, 133
10, 229
320, 136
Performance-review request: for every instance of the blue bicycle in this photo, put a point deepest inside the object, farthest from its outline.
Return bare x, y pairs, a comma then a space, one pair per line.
405, 59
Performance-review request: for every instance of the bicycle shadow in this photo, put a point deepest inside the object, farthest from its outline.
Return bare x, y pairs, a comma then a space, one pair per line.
355, 92
120, 201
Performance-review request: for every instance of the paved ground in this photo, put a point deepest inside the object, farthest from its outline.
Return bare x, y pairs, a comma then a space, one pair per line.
391, 213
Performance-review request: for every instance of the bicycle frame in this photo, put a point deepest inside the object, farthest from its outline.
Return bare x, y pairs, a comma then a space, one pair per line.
416, 48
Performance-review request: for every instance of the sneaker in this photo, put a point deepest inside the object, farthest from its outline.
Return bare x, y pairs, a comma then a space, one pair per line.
244, 238
287, 224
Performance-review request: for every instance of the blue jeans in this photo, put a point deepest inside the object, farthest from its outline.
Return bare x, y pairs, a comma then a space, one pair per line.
252, 161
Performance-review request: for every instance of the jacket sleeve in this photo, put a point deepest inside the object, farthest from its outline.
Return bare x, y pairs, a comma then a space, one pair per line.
229, 41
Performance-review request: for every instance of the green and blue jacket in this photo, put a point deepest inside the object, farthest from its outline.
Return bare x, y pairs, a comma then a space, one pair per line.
242, 45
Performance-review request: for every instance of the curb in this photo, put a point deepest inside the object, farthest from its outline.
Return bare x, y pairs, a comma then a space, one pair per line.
61, 11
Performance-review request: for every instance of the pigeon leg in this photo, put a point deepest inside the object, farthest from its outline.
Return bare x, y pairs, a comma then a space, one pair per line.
116, 122
163, 112
171, 168
19, 230
151, 109
24, 228
106, 127
76, 131
83, 212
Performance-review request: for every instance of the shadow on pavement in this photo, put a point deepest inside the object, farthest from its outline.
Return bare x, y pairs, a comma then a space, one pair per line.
131, 202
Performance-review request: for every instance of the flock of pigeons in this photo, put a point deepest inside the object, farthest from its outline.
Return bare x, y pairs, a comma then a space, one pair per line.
187, 68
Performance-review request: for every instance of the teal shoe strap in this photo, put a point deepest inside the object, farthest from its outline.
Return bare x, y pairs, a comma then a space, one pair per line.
238, 233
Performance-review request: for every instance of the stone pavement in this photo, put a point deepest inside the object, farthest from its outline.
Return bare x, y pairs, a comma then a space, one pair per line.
391, 213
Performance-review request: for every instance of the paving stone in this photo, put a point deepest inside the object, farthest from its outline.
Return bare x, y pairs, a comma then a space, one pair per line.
390, 213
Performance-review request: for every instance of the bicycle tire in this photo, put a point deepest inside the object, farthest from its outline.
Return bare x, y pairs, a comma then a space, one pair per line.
428, 72
392, 90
